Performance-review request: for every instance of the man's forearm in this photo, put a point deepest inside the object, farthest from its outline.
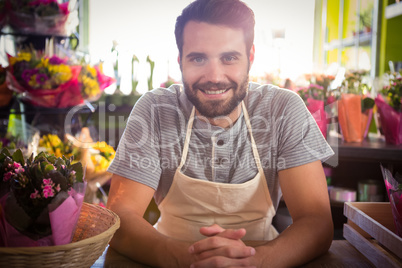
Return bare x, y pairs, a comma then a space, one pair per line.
304, 240
138, 240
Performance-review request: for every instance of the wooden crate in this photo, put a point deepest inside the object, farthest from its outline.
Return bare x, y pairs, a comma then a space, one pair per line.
371, 230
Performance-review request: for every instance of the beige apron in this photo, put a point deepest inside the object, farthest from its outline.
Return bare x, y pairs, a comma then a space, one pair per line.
192, 203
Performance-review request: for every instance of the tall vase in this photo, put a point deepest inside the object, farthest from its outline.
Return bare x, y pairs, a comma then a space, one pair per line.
353, 122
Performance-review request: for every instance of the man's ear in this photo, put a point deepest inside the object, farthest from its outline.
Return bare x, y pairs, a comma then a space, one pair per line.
179, 61
252, 52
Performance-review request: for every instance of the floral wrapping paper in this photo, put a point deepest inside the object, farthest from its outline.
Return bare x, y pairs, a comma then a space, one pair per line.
41, 17
316, 108
394, 191
63, 220
354, 123
66, 95
391, 121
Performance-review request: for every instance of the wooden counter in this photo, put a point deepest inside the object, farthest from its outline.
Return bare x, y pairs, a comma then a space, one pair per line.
341, 254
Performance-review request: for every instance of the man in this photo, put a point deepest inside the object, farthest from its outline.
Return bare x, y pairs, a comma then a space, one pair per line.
217, 154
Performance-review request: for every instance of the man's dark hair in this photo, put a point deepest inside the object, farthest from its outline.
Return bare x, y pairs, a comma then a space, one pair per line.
230, 13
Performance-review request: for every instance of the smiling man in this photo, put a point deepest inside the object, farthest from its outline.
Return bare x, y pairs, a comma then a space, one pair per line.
217, 153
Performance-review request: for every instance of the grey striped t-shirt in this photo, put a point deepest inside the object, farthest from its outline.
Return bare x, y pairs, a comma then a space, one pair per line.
151, 146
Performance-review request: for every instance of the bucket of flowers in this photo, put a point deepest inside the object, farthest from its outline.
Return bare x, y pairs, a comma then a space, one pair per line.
47, 81
53, 81
355, 107
389, 104
50, 17
41, 199
317, 98
313, 96
393, 185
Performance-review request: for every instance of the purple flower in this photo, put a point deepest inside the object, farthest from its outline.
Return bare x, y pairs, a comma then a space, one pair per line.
26, 74
41, 78
55, 60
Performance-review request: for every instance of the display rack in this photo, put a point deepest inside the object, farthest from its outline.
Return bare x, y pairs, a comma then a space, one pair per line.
358, 40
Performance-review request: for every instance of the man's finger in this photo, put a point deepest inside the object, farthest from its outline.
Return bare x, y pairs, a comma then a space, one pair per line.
211, 230
234, 234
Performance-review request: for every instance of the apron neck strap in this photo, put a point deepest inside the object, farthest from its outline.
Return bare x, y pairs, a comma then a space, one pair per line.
253, 144
187, 140
248, 124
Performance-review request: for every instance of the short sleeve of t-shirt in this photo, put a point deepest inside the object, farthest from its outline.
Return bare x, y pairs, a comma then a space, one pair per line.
299, 138
137, 155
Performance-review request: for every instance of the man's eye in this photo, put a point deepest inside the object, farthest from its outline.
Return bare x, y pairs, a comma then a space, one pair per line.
229, 58
198, 60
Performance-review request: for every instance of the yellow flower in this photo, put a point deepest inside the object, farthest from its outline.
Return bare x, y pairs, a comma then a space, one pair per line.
44, 63
91, 86
91, 70
60, 73
101, 164
21, 56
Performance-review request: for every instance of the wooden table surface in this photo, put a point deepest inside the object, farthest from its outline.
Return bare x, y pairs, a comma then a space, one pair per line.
341, 254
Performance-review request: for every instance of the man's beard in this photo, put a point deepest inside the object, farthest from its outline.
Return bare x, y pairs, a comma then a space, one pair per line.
216, 108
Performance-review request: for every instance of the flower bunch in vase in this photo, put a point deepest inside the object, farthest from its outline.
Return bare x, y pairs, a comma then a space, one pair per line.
93, 81
389, 104
40, 199
52, 144
354, 107
42, 16
45, 81
314, 98
393, 186
53, 81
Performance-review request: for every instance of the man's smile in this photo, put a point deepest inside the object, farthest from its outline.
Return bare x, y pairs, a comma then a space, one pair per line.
215, 92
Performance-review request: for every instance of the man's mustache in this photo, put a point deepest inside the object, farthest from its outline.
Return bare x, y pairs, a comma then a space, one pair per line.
218, 86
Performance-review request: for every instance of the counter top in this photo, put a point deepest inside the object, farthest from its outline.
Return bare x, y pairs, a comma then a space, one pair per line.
341, 254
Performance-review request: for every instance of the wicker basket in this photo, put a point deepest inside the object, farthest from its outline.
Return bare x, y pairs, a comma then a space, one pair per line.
95, 229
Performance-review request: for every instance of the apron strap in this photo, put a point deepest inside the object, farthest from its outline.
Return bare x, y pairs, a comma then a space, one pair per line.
187, 140
253, 144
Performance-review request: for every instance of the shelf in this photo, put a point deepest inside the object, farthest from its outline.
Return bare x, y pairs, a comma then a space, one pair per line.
363, 39
369, 150
393, 10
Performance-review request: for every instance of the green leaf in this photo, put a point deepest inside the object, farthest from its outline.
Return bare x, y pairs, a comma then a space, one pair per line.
48, 168
4, 154
18, 157
367, 103
77, 167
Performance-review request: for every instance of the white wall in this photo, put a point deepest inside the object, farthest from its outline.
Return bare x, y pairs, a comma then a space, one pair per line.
147, 28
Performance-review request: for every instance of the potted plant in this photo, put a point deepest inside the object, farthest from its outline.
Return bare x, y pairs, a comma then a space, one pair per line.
388, 102
40, 199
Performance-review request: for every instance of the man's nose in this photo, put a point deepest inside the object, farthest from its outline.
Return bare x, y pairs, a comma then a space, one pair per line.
215, 72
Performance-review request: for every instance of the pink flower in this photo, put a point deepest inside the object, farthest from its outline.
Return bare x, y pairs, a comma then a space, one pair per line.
16, 165
34, 194
57, 188
47, 187
48, 192
7, 176
47, 181
19, 170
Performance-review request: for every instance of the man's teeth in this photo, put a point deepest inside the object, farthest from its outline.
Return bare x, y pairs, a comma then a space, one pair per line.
214, 92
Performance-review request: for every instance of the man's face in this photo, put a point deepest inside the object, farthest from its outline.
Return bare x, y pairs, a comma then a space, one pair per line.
214, 67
